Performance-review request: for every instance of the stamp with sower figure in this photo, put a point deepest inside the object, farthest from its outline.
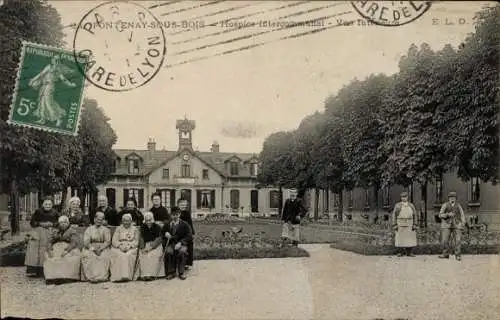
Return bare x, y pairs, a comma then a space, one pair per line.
49, 90
119, 58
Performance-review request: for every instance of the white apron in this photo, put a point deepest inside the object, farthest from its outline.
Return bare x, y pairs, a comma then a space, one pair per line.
405, 236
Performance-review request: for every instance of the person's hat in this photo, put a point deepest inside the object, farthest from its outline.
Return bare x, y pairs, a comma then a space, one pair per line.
452, 194
404, 194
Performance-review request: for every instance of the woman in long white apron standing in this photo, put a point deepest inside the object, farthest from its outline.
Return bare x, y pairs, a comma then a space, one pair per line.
404, 221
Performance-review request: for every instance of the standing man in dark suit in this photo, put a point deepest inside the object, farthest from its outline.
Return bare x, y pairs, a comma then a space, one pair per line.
111, 215
186, 216
452, 222
293, 212
176, 234
160, 213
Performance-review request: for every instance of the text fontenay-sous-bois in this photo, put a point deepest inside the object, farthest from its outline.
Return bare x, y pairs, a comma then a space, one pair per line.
120, 25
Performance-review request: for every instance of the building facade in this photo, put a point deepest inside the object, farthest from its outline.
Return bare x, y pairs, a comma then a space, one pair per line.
476, 197
212, 181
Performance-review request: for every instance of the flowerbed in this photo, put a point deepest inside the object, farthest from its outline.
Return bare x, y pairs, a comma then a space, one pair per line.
218, 243
249, 253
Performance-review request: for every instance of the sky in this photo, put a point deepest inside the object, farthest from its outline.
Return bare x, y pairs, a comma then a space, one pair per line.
241, 97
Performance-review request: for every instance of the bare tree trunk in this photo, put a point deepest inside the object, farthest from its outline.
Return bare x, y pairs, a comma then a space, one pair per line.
316, 204
14, 207
280, 207
376, 189
341, 206
424, 200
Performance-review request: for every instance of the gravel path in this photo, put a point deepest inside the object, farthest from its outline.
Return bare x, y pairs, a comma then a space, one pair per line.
331, 284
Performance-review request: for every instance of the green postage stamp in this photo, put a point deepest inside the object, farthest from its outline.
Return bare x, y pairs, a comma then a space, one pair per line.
49, 90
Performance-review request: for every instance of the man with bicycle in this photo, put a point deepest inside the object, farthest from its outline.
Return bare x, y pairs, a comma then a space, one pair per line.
452, 222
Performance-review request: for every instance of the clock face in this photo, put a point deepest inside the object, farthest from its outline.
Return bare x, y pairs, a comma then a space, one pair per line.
186, 157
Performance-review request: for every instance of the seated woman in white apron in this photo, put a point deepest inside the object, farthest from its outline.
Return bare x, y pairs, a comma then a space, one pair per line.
404, 223
96, 253
63, 257
124, 251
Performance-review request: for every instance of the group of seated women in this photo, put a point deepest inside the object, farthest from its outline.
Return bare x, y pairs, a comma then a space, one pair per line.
57, 250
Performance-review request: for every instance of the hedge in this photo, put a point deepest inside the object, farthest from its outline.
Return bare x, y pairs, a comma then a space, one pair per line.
369, 249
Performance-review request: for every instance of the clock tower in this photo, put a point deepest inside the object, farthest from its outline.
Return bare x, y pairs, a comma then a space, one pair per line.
185, 128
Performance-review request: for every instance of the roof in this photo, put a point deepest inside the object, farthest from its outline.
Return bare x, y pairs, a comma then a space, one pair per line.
216, 160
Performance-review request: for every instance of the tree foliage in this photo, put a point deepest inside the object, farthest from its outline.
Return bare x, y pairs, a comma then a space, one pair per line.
439, 113
37, 160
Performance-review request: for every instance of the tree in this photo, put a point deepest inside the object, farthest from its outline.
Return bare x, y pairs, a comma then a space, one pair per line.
305, 137
363, 133
472, 112
95, 141
277, 162
327, 151
21, 148
414, 118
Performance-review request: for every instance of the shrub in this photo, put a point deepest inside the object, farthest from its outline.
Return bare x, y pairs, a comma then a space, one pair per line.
426, 249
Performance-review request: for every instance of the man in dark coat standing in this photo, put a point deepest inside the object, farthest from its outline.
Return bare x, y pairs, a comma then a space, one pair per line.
160, 213
293, 212
176, 236
111, 215
452, 222
186, 216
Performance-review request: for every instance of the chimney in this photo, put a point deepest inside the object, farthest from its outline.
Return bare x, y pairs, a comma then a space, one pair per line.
151, 145
215, 147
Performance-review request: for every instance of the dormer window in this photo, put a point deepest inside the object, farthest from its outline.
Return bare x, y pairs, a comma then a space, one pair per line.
234, 168
253, 169
133, 166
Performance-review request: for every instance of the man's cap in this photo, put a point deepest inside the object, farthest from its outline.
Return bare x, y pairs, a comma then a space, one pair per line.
452, 194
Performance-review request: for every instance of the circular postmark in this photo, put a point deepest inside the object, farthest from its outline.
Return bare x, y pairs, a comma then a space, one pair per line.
123, 44
391, 13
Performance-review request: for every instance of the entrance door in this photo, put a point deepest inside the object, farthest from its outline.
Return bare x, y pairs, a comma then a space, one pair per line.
186, 195
254, 200
111, 195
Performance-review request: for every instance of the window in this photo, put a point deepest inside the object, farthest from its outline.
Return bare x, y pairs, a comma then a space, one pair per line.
185, 171
367, 198
235, 199
167, 197
386, 197
114, 164
205, 174
439, 190
133, 166
254, 200
253, 169
234, 168
475, 193
274, 199
350, 200
137, 194
205, 199
57, 198
111, 195
166, 174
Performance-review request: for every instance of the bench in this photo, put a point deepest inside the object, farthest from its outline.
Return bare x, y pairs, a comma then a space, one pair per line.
3, 232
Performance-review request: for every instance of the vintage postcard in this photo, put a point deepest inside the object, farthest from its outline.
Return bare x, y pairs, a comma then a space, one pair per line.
249, 159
